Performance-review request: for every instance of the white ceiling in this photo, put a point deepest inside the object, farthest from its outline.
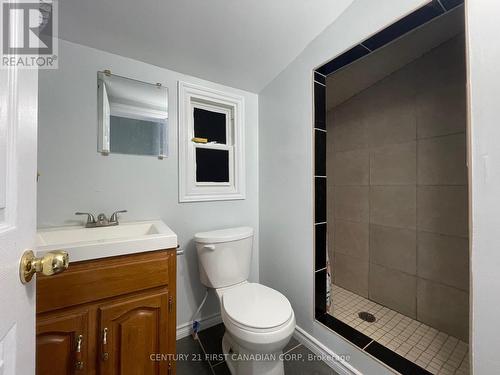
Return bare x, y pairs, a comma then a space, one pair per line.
242, 44
363, 73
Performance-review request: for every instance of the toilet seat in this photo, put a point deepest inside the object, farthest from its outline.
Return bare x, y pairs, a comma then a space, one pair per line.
256, 308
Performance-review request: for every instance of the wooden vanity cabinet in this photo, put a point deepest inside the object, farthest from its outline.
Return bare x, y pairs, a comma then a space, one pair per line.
108, 316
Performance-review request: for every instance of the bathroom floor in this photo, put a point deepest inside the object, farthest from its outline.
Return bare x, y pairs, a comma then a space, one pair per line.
204, 356
437, 352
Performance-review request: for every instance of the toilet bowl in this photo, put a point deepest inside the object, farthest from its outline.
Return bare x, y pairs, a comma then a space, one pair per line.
259, 320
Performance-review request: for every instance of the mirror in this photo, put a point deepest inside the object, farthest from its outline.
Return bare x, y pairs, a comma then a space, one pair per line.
133, 116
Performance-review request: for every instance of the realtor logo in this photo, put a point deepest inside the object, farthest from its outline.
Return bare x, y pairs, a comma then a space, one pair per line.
29, 34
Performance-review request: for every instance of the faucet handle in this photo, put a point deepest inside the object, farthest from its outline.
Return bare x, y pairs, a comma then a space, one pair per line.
90, 217
114, 216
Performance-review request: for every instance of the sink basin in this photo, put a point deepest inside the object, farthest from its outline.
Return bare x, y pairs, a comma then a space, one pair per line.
91, 243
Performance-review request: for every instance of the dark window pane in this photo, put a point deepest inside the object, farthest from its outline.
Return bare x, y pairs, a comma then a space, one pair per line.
210, 125
138, 137
212, 165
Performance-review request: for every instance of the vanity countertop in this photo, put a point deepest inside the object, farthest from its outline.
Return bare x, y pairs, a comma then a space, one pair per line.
92, 243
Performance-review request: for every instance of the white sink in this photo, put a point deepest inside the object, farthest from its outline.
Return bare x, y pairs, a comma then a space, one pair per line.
91, 243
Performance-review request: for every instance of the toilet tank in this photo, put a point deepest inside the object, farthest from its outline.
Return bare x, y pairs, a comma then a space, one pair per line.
224, 256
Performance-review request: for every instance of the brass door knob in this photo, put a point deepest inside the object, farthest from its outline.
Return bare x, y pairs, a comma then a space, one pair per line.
51, 263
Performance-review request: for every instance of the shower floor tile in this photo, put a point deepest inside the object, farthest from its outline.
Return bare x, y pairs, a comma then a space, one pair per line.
435, 351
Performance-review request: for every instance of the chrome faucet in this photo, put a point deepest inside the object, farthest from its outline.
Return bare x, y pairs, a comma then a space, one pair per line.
102, 220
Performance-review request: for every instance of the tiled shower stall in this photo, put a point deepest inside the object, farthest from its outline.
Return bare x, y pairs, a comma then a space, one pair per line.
391, 203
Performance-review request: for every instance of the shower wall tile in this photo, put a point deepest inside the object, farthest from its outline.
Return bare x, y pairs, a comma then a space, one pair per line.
349, 132
393, 206
352, 239
389, 111
351, 203
441, 111
441, 95
351, 168
441, 160
452, 316
394, 248
394, 289
444, 259
394, 164
351, 273
442, 209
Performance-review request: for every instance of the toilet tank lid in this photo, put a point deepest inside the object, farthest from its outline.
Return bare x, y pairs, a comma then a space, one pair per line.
224, 235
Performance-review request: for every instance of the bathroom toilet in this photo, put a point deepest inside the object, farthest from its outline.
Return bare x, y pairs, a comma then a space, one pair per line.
259, 321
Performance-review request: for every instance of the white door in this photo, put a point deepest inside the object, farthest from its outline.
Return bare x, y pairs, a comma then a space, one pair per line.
18, 154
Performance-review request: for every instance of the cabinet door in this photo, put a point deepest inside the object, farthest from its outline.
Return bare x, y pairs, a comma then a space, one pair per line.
61, 344
132, 331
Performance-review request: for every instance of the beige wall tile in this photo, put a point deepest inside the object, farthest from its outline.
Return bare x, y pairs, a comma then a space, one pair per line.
348, 131
350, 168
441, 110
389, 110
394, 164
394, 289
442, 209
393, 206
441, 92
351, 203
444, 308
351, 238
394, 248
441, 160
351, 273
443, 259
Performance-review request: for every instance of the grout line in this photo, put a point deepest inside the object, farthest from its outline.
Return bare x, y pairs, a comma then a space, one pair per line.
367, 345
442, 6
320, 223
295, 347
319, 83
322, 269
321, 130
368, 49
218, 363
321, 74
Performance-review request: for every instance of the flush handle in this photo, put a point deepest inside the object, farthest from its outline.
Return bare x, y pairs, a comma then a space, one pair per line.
209, 247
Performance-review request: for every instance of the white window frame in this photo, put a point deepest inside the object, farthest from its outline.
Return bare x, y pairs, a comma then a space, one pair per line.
194, 96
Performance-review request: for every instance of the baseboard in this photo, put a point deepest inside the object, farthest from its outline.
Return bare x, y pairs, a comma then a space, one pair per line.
329, 357
185, 329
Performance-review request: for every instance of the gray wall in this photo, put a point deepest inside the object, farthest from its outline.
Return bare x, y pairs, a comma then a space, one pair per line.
286, 173
74, 177
397, 191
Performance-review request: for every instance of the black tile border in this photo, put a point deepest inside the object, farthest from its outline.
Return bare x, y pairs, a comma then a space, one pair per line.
320, 155
405, 25
320, 242
416, 19
346, 331
320, 78
450, 4
319, 106
397, 362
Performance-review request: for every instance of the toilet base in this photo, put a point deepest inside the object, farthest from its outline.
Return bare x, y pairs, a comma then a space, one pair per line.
241, 361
